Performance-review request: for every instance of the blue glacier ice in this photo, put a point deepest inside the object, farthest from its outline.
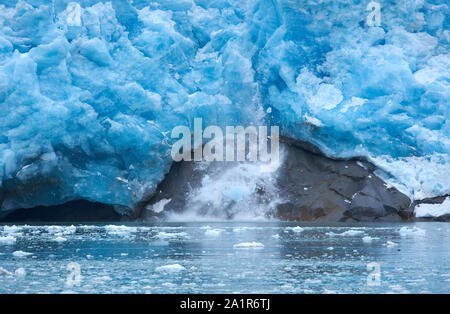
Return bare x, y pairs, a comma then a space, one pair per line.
90, 90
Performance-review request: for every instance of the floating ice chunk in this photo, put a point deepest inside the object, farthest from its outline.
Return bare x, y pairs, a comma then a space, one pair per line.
213, 232
12, 229
170, 235
21, 254
249, 245
20, 272
8, 240
173, 268
4, 272
351, 233
58, 230
123, 231
390, 244
433, 210
313, 281
297, 229
240, 229
348, 233
368, 239
60, 239
70, 230
414, 231
54, 229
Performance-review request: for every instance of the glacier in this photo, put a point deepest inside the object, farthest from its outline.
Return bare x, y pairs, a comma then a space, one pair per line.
90, 90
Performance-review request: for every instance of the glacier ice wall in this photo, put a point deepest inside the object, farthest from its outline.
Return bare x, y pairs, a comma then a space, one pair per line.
90, 90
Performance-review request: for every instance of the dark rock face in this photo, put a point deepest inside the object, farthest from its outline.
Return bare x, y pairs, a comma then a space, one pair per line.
312, 187
182, 178
323, 189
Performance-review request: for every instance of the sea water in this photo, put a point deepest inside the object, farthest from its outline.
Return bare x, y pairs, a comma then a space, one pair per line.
225, 257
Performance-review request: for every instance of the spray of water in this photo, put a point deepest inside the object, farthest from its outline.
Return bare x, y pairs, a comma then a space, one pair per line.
243, 191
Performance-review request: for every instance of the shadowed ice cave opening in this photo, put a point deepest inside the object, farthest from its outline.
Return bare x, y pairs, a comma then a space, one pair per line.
74, 211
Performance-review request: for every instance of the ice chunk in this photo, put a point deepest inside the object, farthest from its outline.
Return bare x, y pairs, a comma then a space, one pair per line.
4, 272
390, 244
12, 229
20, 272
8, 240
172, 268
213, 232
159, 206
297, 229
123, 231
21, 254
249, 245
60, 239
171, 235
348, 233
414, 231
368, 239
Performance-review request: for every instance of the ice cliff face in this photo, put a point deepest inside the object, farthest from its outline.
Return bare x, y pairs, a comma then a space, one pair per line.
90, 90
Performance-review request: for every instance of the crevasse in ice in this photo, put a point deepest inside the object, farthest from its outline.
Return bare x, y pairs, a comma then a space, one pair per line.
90, 90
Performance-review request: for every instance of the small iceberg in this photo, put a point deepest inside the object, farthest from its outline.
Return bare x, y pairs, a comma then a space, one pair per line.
414, 231
368, 239
8, 240
173, 268
297, 229
21, 254
60, 239
349, 233
249, 245
4, 272
170, 235
20, 272
213, 232
390, 244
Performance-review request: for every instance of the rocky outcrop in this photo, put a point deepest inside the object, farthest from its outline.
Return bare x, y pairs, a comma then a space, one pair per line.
320, 188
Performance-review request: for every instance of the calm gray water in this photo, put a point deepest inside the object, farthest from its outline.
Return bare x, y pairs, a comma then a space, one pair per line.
228, 257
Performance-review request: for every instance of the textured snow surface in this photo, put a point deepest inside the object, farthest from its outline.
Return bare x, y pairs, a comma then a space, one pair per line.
90, 90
